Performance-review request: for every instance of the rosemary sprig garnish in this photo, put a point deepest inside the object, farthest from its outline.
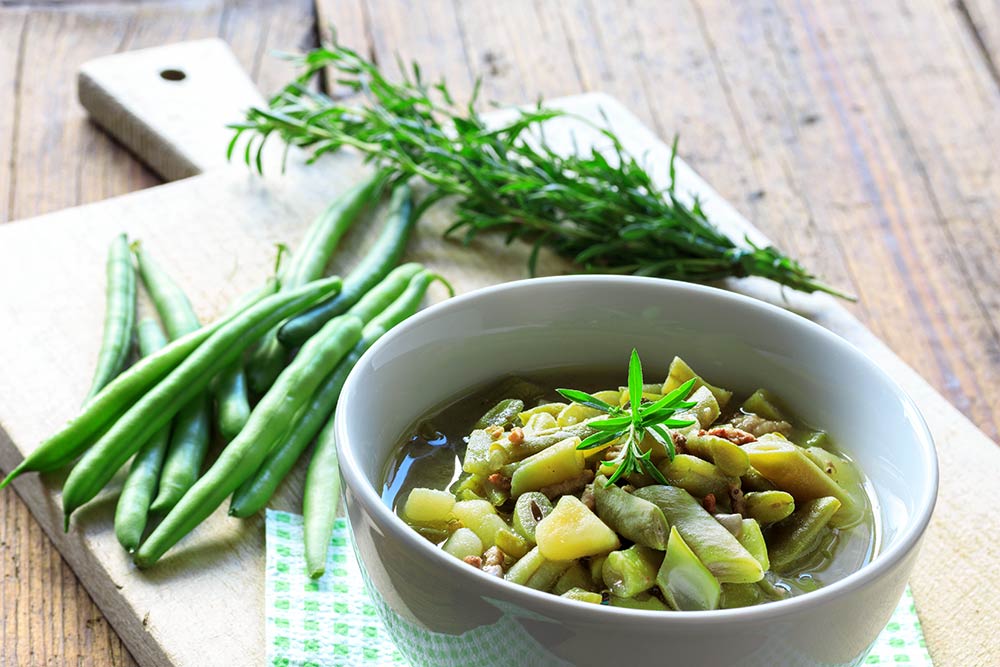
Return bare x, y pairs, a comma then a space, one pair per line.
631, 426
600, 210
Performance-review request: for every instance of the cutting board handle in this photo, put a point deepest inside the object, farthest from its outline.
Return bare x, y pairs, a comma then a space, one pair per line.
170, 105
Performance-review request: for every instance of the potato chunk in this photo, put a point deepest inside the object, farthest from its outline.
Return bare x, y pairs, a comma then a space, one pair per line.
572, 531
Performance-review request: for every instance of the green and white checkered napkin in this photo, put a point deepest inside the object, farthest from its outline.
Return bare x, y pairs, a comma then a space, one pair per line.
331, 622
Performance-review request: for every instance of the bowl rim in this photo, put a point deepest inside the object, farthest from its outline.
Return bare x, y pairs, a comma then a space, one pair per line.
370, 500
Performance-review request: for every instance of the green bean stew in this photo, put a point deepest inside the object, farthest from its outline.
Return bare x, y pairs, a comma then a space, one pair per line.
757, 506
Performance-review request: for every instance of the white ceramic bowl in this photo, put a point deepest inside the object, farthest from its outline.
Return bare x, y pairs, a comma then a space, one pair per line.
442, 612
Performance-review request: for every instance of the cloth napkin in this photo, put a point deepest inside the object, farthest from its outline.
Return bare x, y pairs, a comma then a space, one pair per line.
331, 622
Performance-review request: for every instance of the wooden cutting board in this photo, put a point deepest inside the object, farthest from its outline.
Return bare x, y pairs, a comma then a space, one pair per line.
215, 231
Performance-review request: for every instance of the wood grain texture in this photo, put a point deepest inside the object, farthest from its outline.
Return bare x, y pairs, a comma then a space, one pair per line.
841, 129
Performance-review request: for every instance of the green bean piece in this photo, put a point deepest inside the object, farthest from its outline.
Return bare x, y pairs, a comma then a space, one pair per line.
389, 303
630, 516
119, 315
642, 601
696, 476
186, 453
817, 439
685, 581
529, 510
752, 480
501, 414
307, 264
706, 408
132, 511
764, 404
795, 538
752, 540
192, 376
726, 455
511, 543
715, 546
631, 571
377, 263
481, 457
556, 464
679, 373
768, 507
740, 595
840, 470
582, 595
232, 397
547, 574
596, 567
521, 571
269, 421
538, 442
576, 577
789, 467
192, 429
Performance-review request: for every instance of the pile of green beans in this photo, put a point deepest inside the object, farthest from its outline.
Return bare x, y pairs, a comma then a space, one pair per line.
159, 413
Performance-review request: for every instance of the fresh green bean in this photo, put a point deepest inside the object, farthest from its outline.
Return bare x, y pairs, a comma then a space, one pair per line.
390, 302
186, 454
132, 511
752, 540
192, 430
269, 421
307, 264
232, 398
631, 571
172, 305
322, 486
630, 516
191, 376
374, 267
119, 315
727, 456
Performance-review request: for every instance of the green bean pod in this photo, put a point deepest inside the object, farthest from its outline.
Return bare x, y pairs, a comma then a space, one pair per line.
501, 414
307, 264
192, 431
151, 412
322, 487
119, 315
768, 506
232, 398
268, 423
374, 267
186, 454
254, 494
132, 510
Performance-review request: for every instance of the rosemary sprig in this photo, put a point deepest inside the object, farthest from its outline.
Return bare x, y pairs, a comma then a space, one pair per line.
631, 426
601, 211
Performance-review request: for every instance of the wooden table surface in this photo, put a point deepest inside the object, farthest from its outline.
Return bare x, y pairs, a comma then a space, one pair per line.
859, 135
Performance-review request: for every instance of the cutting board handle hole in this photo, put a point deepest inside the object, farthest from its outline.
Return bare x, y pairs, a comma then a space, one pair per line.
173, 75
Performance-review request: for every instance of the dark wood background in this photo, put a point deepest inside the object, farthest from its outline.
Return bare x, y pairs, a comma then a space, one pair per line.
861, 136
